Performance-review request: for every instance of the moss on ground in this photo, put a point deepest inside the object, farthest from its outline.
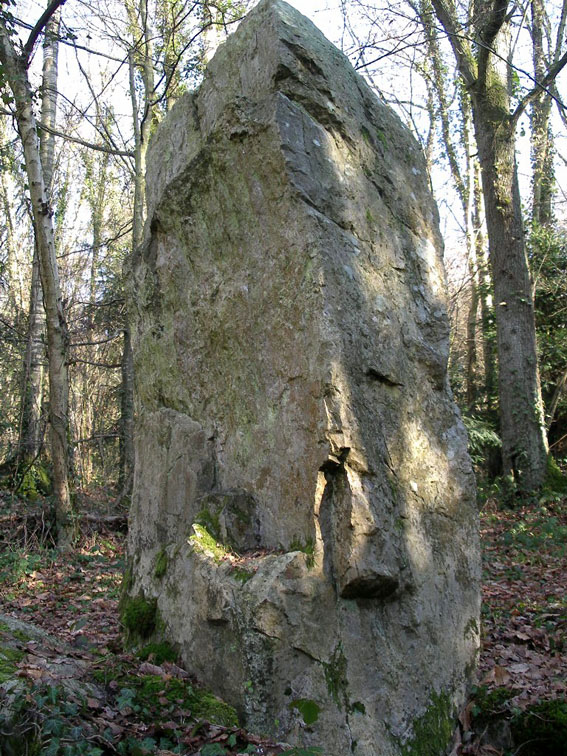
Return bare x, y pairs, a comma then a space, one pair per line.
181, 694
541, 730
160, 698
490, 704
9, 658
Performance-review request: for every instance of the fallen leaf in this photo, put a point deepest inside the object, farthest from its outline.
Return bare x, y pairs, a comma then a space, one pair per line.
519, 669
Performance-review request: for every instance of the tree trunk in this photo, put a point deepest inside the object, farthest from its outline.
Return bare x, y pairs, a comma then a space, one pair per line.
142, 129
34, 360
485, 296
472, 319
540, 116
32, 392
524, 446
15, 71
542, 143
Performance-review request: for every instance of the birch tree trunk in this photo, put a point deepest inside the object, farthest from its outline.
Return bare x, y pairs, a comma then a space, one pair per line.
32, 385
32, 393
15, 66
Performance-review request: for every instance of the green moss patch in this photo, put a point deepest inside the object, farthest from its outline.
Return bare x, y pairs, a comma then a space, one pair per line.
138, 616
160, 567
210, 521
157, 653
203, 542
307, 547
35, 482
152, 689
335, 677
432, 731
555, 480
541, 730
9, 658
241, 574
489, 704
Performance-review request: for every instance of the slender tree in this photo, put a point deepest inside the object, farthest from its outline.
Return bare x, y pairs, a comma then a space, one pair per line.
544, 49
32, 393
14, 67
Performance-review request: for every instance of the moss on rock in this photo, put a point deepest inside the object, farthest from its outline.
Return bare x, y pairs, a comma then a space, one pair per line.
35, 482
138, 616
210, 521
160, 567
202, 541
158, 653
335, 677
432, 731
555, 480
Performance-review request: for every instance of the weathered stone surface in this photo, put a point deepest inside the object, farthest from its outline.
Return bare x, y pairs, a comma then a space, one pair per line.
290, 347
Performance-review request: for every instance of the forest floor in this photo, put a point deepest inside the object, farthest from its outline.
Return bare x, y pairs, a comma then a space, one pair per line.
75, 598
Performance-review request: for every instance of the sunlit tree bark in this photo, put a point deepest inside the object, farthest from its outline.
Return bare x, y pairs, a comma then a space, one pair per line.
34, 361
486, 78
15, 70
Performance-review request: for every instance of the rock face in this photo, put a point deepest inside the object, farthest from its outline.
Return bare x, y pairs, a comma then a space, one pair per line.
303, 507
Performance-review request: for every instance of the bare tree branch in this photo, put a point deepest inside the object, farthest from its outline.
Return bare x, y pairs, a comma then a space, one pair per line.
448, 17
488, 33
541, 88
84, 143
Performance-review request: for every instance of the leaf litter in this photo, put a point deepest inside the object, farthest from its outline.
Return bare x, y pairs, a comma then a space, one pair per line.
75, 599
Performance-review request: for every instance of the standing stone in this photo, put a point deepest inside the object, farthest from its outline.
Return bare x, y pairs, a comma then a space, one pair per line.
303, 506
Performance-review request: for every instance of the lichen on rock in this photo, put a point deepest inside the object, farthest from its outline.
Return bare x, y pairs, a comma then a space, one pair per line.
291, 341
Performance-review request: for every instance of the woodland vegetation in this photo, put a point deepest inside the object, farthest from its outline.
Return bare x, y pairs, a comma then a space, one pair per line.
73, 152
83, 87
